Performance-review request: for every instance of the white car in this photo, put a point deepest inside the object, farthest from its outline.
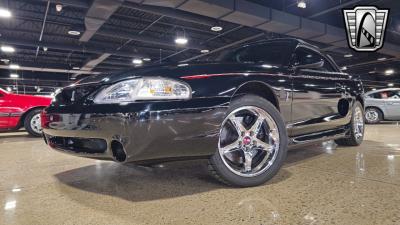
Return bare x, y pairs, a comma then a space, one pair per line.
383, 104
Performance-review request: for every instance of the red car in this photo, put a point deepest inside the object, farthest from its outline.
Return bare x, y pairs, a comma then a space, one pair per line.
21, 110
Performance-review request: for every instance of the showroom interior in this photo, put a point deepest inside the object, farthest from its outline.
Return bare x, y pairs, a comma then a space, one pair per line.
49, 45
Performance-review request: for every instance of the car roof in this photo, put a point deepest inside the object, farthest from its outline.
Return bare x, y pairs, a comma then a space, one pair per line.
380, 90
293, 40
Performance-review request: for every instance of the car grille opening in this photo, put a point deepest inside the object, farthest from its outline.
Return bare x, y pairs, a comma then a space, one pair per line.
78, 145
118, 151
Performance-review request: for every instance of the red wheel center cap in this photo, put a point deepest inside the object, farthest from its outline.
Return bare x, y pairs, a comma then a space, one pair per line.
246, 140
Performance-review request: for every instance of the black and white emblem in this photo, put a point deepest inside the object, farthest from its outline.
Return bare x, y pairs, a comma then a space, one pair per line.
365, 26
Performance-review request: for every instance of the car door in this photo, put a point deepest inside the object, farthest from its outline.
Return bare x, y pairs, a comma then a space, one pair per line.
316, 94
392, 105
4, 114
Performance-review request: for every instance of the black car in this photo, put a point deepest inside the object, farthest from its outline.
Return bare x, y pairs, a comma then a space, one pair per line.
242, 111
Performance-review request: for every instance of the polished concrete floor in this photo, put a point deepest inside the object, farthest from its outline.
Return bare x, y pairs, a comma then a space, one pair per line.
317, 185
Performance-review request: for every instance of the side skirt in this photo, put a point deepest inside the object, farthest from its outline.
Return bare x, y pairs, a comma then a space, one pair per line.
313, 138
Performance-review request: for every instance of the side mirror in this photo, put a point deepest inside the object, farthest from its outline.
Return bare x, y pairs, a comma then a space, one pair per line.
316, 65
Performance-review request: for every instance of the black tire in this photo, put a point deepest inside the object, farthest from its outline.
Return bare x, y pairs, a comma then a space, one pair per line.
222, 173
27, 122
375, 119
352, 139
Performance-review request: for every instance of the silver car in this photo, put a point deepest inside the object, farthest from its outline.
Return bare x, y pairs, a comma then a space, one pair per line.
383, 104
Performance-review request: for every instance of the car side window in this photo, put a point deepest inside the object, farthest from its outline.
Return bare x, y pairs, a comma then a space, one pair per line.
375, 95
386, 95
305, 56
393, 95
270, 53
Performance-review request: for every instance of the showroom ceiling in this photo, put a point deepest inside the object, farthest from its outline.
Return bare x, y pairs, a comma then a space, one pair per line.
53, 46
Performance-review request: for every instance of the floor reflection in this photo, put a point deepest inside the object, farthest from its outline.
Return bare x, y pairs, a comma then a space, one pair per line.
320, 184
137, 183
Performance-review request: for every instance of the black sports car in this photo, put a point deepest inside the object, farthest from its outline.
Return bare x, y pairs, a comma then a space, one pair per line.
241, 111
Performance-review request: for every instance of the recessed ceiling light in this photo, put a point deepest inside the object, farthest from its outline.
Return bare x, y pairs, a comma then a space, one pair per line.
216, 28
344, 68
389, 72
372, 71
381, 59
5, 60
204, 51
137, 61
9, 89
348, 55
14, 75
146, 59
390, 84
74, 32
267, 66
6, 48
302, 4
59, 7
72, 78
14, 66
5, 13
181, 40
76, 68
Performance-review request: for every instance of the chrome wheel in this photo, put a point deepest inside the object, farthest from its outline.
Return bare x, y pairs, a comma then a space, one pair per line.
249, 141
36, 124
358, 123
371, 115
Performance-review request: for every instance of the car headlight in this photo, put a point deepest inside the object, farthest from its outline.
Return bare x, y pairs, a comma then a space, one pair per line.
153, 88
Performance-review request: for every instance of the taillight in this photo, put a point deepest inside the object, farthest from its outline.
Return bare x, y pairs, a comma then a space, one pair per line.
46, 119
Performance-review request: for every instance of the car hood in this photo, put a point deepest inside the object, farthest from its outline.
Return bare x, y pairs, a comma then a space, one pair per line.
176, 71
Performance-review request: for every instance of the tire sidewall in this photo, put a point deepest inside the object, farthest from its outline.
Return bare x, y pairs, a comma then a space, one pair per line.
27, 122
237, 180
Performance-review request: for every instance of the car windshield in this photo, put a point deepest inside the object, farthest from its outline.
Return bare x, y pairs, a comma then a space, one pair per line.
267, 53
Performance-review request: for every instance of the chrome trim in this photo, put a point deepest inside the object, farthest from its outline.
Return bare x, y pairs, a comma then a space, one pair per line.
371, 115
36, 124
248, 143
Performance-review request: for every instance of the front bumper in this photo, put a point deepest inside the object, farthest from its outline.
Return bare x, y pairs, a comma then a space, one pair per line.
145, 130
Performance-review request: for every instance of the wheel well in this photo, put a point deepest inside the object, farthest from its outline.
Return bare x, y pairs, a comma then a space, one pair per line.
22, 119
380, 110
257, 88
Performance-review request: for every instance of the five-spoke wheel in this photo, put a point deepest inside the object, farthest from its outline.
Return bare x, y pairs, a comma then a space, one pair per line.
255, 141
252, 143
356, 134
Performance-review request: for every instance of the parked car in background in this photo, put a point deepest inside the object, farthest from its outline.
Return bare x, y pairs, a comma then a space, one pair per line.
17, 111
241, 112
383, 104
